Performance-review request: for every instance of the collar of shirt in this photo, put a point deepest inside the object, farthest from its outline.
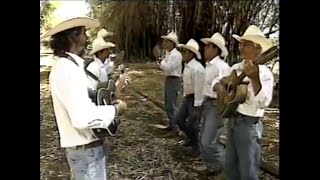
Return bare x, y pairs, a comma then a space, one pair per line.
101, 64
78, 59
212, 61
191, 62
170, 52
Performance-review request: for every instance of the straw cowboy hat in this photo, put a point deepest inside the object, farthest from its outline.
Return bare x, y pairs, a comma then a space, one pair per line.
219, 41
104, 33
70, 23
193, 46
99, 44
172, 37
254, 34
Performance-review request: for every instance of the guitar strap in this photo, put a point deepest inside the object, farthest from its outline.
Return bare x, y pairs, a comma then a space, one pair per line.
86, 65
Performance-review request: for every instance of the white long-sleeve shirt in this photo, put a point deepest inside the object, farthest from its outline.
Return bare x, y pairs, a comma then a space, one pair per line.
98, 68
109, 65
172, 63
215, 70
193, 81
254, 105
75, 113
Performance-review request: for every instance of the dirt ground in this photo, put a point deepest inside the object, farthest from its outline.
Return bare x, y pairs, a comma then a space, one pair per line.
140, 150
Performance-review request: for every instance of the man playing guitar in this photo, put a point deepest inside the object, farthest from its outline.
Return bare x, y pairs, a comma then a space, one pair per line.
244, 127
75, 113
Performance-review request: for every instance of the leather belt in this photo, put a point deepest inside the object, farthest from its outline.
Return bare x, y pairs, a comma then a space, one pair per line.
91, 145
189, 96
172, 77
250, 119
208, 98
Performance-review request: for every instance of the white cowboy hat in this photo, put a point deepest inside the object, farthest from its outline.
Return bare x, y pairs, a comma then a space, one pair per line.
70, 23
172, 37
99, 44
254, 34
193, 46
104, 33
219, 41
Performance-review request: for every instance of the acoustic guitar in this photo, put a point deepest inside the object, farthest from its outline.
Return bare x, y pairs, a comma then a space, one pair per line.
106, 96
232, 91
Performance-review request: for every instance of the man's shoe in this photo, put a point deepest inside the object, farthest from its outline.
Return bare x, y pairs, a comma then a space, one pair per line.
169, 128
173, 133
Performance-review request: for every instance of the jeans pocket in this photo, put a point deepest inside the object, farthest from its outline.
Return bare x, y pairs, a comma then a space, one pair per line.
254, 132
96, 153
73, 154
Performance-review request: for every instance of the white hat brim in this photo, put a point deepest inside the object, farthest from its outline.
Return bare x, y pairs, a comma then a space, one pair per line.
171, 39
224, 50
262, 41
71, 23
105, 34
192, 49
94, 50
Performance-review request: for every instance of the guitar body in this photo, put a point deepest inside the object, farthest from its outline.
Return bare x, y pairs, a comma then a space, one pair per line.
230, 96
106, 96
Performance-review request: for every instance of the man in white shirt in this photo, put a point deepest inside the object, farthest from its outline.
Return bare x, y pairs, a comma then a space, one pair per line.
189, 113
75, 114
243, 149
172, 67
96, 68
109, 65
100, 51
211, 123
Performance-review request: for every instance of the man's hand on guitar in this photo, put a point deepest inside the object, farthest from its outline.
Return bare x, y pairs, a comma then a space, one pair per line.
251, 70
225, 80
122, 82
121, 106
216, 86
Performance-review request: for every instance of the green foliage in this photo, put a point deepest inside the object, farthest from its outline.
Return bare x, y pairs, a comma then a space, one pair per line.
139, 24
46, 10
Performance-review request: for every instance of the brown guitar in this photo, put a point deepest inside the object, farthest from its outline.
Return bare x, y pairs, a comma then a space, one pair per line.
232, 91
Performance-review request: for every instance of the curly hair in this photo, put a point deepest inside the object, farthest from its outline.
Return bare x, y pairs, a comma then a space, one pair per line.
60, 43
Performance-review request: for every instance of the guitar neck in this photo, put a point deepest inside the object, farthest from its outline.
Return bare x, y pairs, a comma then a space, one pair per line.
262, 59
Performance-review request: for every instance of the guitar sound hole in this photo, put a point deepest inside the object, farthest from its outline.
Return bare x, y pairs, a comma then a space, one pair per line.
228, 89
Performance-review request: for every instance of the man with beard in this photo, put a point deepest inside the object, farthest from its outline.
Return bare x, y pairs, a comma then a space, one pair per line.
75, 114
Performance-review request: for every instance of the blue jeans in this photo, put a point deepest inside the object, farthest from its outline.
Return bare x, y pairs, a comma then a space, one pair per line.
172, 87
211, 129
243, 150
186, 123
88, 164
